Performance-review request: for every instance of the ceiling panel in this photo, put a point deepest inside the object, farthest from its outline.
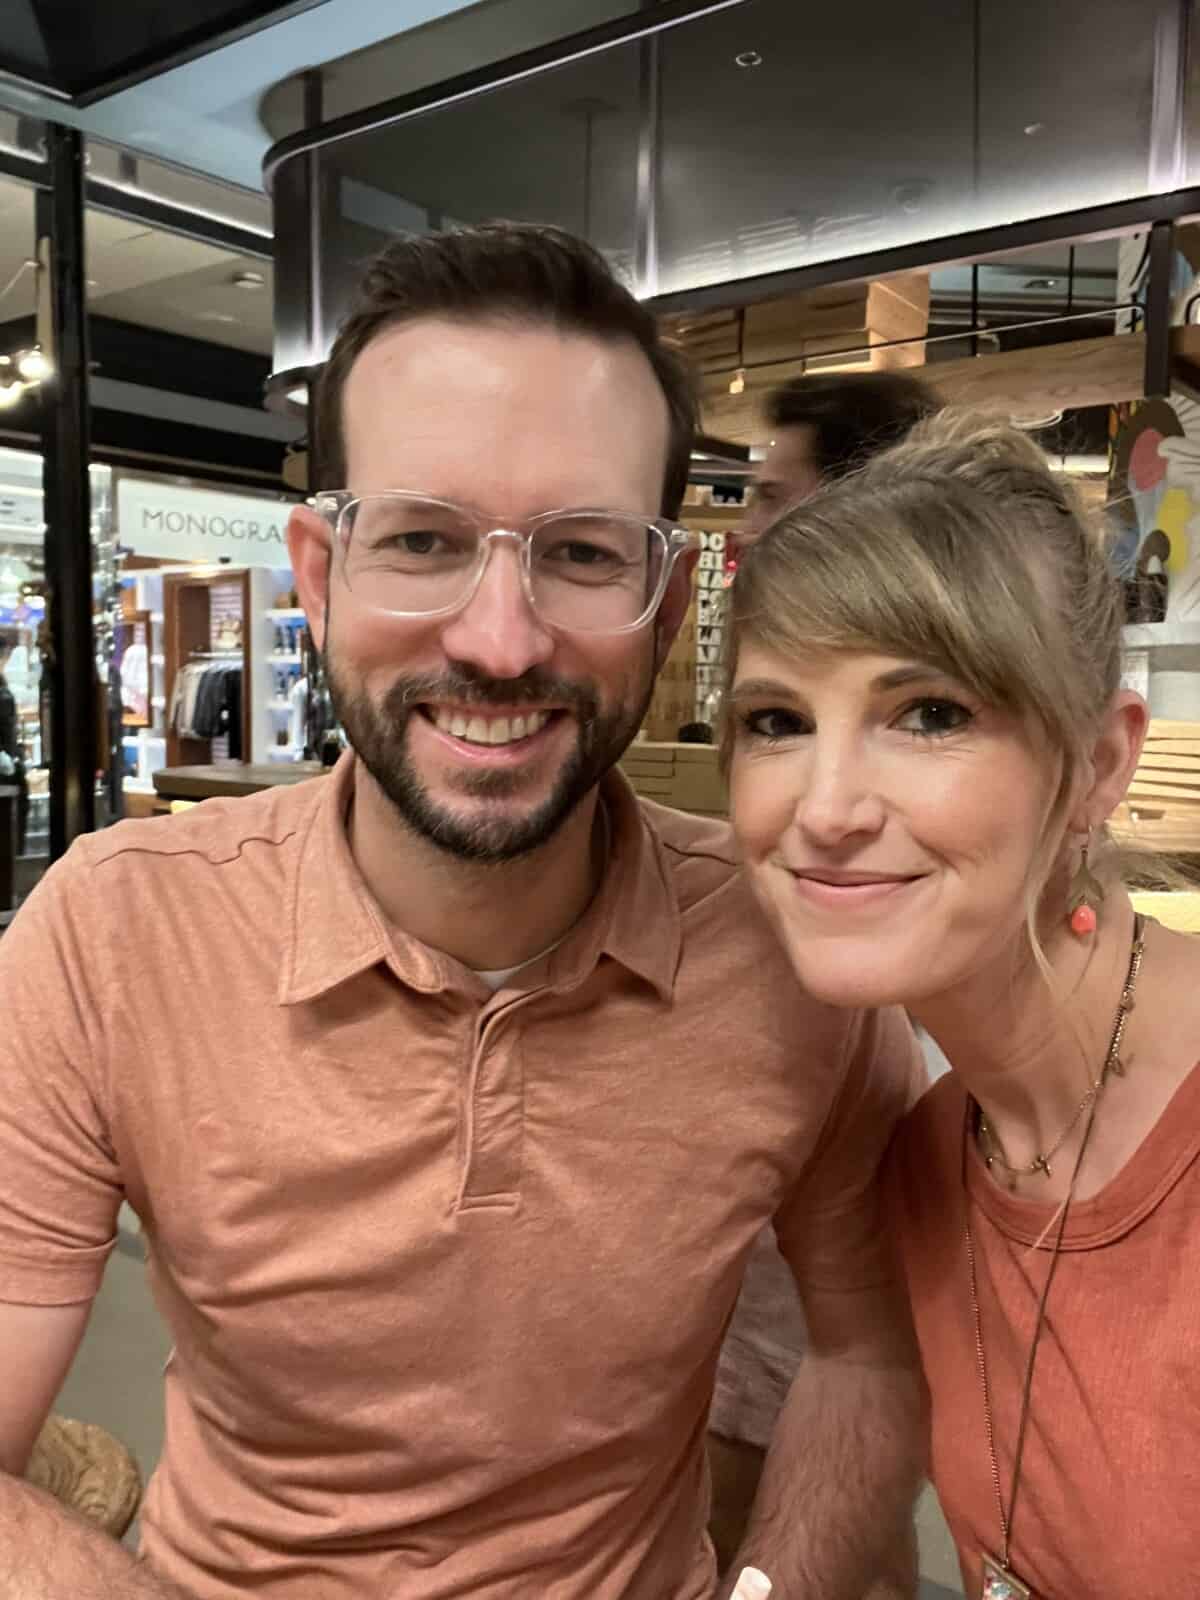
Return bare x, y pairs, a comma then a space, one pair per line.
145, 276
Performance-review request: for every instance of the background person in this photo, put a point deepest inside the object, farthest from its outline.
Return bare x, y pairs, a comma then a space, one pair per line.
929, 737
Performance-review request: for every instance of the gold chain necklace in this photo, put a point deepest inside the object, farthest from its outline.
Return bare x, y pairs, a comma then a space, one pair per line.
994, 1153
999, 1580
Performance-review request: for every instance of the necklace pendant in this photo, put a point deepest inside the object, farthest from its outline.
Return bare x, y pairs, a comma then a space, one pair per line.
1000, 1584
1041, 1164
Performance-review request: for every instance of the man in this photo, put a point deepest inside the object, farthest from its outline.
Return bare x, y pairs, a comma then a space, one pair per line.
452, 1089
823, 428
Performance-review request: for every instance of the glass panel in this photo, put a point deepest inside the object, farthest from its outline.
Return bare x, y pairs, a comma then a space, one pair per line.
470, 37
561, 147
852, 135
789, 135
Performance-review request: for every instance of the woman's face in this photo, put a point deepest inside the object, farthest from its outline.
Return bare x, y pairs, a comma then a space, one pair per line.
887, 818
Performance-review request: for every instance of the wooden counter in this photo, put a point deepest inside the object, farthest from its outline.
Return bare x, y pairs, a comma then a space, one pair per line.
240, 778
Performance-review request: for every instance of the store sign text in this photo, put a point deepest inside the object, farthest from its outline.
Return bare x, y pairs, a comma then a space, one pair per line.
185, 524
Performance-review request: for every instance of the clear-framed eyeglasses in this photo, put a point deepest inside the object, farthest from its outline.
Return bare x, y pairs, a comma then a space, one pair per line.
409, 555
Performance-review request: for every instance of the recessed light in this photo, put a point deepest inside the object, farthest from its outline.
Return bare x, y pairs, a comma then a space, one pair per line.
748, 58
1032, 129
1041, 283
248, 280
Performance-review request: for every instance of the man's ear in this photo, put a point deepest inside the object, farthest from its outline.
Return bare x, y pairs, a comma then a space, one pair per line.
674, 607
309, 542
1114, 758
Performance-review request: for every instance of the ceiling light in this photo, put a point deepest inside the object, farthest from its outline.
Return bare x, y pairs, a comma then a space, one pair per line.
1041, 283
1033, 129
748, 58
299, 394
737, 384
34, 366
248, 280
10, 393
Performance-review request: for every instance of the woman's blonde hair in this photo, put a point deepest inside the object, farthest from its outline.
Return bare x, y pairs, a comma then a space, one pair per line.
959, 548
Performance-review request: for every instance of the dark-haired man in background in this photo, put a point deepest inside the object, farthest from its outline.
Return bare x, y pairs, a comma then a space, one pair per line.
452, 1089
822, 429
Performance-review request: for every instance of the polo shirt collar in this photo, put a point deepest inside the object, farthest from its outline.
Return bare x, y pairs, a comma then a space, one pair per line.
335, 930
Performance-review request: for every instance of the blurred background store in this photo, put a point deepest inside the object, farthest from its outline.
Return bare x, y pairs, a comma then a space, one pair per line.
1004, 193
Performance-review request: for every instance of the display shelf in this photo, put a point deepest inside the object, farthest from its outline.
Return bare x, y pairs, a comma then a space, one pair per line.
279, 705
1161, 635
287, 614
287, 659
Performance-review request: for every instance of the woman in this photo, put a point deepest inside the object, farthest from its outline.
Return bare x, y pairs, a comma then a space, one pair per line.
928, 733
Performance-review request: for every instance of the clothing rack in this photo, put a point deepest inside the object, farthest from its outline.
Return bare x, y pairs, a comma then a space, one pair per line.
216, 655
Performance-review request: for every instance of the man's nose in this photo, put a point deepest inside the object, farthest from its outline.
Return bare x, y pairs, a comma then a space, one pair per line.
497, 631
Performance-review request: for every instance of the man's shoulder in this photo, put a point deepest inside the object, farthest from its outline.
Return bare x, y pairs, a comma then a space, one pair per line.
214, 832
700, 853
929, 1139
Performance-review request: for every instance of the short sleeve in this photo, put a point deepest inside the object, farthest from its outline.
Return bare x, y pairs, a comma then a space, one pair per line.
60, 1188
830, 1227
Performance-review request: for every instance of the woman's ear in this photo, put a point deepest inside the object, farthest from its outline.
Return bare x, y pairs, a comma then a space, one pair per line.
1114, 758
309, 537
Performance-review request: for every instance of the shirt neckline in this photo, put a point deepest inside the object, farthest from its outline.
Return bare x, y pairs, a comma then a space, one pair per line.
1149, 1175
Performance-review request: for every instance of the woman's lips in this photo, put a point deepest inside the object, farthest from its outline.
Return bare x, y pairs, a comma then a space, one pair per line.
847, 891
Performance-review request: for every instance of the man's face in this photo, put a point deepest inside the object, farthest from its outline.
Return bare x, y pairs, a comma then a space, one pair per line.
485, 728
788, 474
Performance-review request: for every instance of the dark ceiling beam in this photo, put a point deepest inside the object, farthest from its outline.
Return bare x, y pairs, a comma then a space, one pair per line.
192, 224
101, 195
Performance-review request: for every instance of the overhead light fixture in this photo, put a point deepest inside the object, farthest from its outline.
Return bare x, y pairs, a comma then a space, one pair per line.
737, 384
248, 280
1041, 283
299, 394
34, 366
1032, 129
748, 58
10, 393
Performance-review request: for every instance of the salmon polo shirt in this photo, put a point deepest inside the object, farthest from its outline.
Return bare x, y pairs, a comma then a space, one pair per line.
447, 1271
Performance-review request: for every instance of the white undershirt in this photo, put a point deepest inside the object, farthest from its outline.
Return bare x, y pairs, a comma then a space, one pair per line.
499, 978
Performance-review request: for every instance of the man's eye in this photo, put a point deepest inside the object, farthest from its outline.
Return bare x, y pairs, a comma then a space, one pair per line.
773, 723
933, 719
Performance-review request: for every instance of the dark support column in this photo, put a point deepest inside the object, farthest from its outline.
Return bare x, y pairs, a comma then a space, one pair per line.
1158, 309
65, 450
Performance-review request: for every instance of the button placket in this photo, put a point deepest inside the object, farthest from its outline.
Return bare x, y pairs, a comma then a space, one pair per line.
495, 1109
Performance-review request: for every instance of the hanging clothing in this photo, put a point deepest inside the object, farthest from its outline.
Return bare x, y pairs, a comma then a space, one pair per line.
206, 703
135, 681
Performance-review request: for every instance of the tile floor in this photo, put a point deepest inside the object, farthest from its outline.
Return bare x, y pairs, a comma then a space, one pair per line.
116, 1382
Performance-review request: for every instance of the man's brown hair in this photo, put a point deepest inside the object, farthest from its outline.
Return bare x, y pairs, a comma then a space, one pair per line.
512, 270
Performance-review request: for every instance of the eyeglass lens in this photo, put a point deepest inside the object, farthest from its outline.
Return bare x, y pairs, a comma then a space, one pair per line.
587, 570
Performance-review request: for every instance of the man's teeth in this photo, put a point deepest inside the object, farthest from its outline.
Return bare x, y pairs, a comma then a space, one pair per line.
490, 730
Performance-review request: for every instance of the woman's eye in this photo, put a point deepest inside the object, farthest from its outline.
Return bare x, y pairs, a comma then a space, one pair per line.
934, 719
772, 723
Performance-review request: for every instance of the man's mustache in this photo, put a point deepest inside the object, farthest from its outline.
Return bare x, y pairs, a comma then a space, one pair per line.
479, 689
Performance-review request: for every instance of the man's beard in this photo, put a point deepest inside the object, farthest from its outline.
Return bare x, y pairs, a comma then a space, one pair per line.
378, 734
